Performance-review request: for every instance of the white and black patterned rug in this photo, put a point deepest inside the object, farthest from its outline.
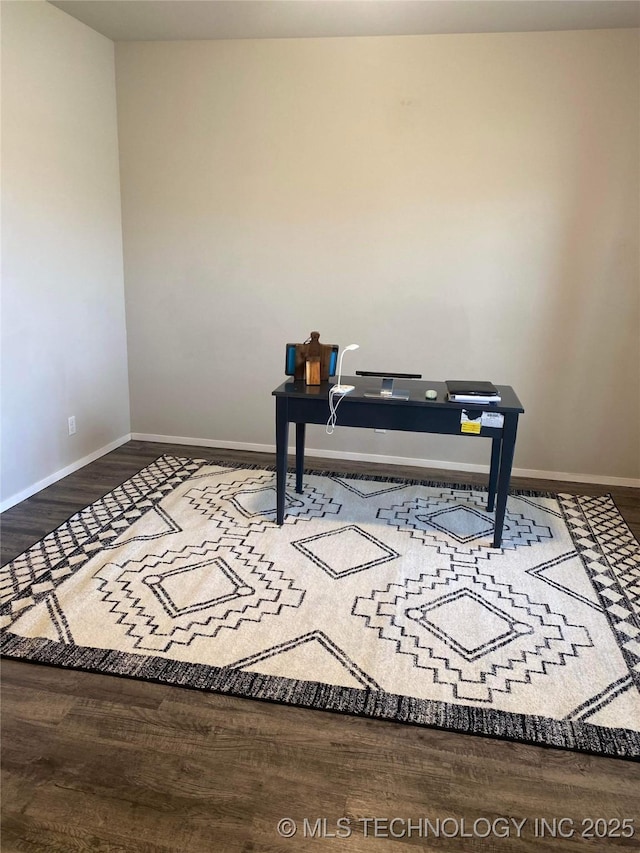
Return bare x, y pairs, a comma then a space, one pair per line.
377, 597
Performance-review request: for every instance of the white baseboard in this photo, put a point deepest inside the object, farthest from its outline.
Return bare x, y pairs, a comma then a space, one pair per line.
392, 460
375, 458
63, 472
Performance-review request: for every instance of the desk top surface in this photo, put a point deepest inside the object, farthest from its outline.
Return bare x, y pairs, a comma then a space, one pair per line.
415, 387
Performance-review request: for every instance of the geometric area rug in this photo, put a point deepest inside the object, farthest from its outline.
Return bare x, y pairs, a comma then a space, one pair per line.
378, 597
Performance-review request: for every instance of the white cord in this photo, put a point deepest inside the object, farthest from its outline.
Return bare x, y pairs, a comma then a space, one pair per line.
333, 409
333, 406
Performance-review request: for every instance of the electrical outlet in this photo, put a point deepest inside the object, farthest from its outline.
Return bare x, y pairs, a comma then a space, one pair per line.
72, 425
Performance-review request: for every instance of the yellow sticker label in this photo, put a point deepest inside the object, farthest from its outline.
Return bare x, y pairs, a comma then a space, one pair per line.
471, 425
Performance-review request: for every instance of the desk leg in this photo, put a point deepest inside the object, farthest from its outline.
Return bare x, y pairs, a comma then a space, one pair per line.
282, 442
504, 477
496, 447
300, 430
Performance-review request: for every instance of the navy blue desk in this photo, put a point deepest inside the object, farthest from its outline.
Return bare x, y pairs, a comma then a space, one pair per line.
309, 404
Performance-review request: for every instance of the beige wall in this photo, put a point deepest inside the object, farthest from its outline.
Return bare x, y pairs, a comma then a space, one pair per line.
469, 203
465, 206
63, 327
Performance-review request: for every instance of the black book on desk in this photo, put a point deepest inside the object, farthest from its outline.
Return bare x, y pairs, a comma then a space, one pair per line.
472, 391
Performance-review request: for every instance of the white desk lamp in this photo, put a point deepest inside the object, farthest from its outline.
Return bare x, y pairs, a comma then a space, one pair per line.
339, 388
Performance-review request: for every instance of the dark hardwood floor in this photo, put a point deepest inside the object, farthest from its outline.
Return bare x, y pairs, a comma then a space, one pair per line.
92, 762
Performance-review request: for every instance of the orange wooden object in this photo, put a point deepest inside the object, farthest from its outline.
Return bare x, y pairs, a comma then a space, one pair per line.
312, 360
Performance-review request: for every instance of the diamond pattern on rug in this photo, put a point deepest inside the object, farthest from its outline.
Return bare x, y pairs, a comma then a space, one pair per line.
311, 652
369, 488
463, 523
449, 616
61, 552
158, 524
177, 597
390, 601
562, 573
476, 635
461, 516
197, 587
345, 551
251, 502
615, 574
